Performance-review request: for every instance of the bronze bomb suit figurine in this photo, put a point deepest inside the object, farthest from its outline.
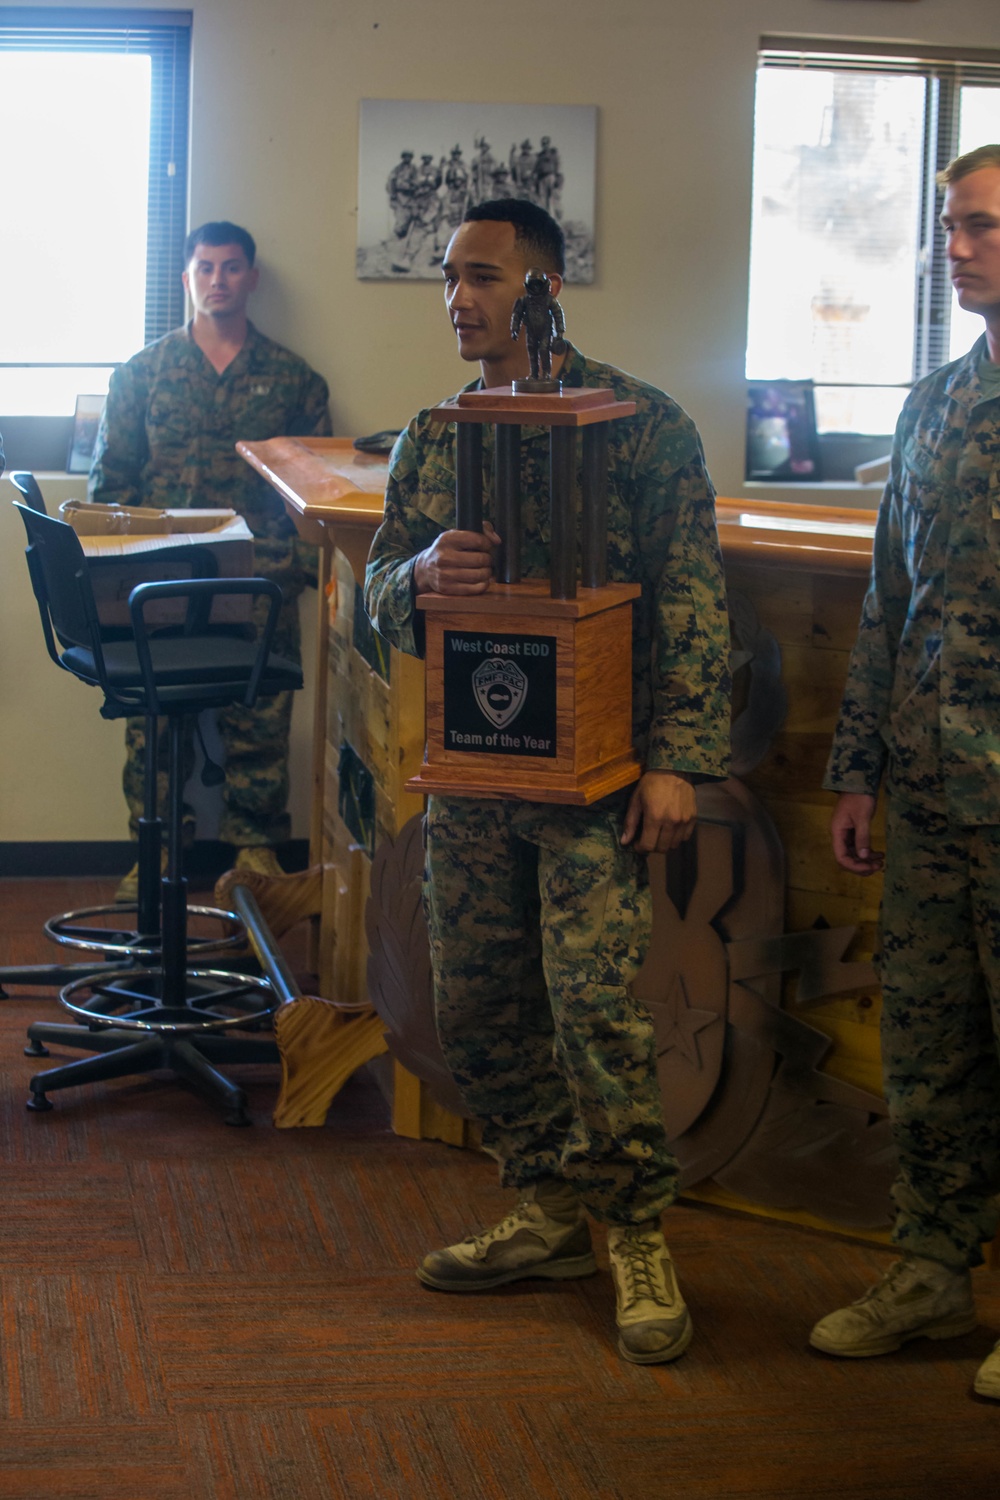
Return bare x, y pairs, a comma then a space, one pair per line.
544, 324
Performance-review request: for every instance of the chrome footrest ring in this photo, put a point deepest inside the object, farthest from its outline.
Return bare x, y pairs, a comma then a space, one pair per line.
149, 1016
139, 945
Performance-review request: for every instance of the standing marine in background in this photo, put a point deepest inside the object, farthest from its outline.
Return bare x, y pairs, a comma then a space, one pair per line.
921, 717
167, 438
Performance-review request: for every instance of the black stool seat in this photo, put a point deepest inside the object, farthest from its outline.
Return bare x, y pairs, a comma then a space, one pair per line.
187, 669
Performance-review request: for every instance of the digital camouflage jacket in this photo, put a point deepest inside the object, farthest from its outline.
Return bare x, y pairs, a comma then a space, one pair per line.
922, 700
170, 424
661, 534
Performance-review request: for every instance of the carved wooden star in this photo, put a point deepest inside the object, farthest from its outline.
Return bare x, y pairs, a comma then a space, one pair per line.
684, 1024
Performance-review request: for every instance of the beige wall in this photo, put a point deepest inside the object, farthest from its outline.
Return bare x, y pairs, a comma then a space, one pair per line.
274, 144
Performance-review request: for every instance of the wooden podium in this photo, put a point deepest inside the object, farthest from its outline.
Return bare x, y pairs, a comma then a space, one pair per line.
529, 686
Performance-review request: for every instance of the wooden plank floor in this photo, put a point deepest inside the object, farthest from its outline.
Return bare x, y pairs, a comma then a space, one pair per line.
194, 1312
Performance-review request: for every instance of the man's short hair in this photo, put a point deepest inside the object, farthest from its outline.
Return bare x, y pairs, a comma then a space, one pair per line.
534, 229
220, 232
961, 166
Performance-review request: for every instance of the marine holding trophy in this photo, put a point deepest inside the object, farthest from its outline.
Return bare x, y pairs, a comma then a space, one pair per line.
539, 913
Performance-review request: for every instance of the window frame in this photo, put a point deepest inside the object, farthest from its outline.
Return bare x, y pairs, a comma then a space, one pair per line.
946, 70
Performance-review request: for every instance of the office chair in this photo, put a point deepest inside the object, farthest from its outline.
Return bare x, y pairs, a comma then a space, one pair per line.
124, 946
27, 484
165, 1015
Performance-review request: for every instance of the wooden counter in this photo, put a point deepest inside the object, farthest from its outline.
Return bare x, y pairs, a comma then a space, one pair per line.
815, 538
758, 976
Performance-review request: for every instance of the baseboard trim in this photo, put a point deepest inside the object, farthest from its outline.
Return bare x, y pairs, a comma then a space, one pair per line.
204, 862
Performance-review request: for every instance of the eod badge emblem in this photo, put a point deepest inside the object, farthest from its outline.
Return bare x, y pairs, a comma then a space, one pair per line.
500, 688
500, 693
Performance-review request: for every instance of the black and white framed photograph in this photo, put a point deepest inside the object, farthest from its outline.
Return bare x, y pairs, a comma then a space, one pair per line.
781, 431
422, 164
86, 420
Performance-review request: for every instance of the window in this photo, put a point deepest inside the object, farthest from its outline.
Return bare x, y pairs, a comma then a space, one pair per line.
849, 281
93, 108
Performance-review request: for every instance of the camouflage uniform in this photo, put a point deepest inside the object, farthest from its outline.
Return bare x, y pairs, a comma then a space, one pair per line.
922, 707
538, 917
167, 438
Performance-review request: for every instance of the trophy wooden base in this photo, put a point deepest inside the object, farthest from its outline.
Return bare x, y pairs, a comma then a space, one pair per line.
529, 697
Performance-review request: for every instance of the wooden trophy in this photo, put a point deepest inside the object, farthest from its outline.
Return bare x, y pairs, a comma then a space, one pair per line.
529, 686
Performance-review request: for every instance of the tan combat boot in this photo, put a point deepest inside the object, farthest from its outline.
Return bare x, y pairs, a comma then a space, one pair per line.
258, 859
916, 1298
987, 1381
545, 1234
654, 1325
128, 889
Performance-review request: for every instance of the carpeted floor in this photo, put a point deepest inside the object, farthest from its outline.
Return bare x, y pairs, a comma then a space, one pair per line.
194, 1312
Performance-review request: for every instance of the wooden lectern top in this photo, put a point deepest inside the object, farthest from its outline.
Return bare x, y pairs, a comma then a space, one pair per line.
332, 492
321, 477
579, 407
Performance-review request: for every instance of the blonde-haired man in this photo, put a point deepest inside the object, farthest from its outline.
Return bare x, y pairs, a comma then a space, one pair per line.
921, 710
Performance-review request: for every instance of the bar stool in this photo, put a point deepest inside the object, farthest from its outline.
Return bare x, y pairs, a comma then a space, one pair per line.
121, 944
165, 1014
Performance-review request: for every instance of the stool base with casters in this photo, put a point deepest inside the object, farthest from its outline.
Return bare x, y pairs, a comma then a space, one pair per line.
124, 947
136, 1027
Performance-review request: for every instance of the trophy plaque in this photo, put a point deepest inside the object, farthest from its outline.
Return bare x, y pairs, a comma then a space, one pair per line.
529, 685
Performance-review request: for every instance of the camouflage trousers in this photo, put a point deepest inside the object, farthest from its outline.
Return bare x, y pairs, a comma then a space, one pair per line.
940, 972
255, 740
538, 922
